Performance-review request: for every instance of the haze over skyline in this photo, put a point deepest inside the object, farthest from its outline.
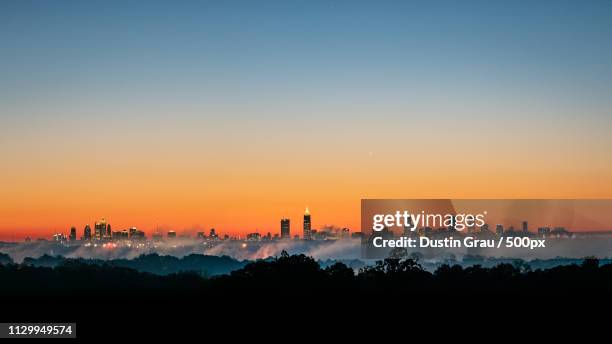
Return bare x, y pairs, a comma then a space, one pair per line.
234, 115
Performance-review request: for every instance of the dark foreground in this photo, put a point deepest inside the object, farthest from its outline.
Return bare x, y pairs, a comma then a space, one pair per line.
396, 297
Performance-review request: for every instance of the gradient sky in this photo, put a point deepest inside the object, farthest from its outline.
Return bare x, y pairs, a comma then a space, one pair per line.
231, 114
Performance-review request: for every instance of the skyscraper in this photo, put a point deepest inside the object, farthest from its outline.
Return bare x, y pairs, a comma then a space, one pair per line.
307, 228
213, 235
87, 233
72, 234
285, 229
525, 226
100, 229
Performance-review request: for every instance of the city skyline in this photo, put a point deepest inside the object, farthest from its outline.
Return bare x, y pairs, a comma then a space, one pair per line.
234, 115
103, 230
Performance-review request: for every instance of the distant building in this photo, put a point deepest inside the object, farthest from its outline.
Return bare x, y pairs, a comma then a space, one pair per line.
73, 234
253, 237
87, 233
499, 229
525, 226
307, 225
425, 231
136, 234
100, 229
544, 231
345, 233
59, 237
158, 236
285, 229
560, 232
171, 234
200, 235
121, 235
213, 234
357, 235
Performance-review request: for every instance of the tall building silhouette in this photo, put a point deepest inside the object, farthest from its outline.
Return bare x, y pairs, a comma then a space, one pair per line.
72, 234
307, 225
213, 234
499, 229
87, 233
285, 229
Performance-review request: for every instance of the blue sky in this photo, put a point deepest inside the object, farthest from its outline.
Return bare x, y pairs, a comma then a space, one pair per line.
257, 51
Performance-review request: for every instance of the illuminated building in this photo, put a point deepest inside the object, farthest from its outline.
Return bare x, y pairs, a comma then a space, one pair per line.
213, 235
100, 229
307, 225
285, 229
345, 233
253, 237
171, 234
59, 237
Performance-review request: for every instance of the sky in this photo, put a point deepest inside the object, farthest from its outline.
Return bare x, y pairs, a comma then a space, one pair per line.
234, 114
